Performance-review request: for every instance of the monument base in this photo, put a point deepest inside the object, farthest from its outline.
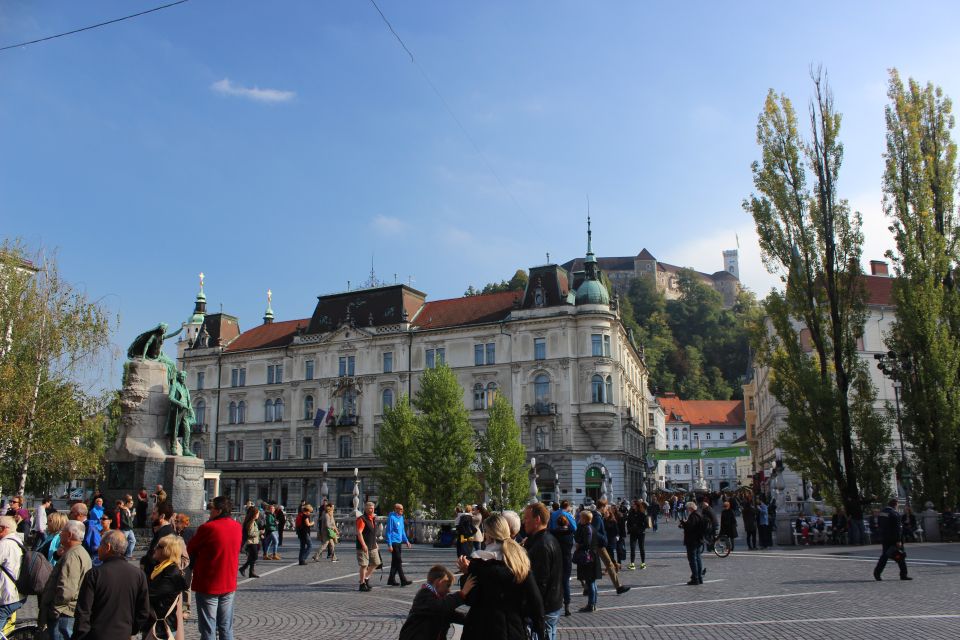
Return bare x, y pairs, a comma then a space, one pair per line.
181, 477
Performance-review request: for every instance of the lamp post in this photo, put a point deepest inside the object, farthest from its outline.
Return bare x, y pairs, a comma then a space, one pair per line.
533, 481
556, 486
356, 492
324, 490
894, 366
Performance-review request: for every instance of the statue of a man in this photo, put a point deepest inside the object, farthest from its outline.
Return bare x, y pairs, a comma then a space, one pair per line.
181, 418
149, 344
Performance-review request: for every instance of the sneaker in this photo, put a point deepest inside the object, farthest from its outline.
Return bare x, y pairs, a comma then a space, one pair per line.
622, 590
906, 578
632, 567
334, 560
643, 565
590, 608
364, 587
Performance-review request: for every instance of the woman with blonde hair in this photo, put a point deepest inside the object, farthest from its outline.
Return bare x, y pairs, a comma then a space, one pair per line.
166, 583
55, 524
506, 594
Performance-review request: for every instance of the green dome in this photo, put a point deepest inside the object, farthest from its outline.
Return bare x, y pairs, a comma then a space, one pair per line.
592, 292
196, 318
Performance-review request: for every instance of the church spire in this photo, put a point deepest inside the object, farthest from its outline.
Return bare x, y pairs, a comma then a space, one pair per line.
268, 314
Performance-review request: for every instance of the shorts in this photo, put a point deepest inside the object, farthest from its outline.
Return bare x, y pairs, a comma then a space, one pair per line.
366, 559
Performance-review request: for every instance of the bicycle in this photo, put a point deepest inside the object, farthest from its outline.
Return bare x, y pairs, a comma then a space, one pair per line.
22, 632
721, 545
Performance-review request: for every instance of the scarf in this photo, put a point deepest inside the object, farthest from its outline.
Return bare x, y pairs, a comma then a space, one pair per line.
159, 568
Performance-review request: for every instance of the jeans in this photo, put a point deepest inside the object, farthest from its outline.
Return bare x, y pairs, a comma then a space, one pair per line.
396, 564
131, 542
270, 543
567, 573
550, 620
592, 596
7, 609
215, 616
751, 539
696, 562
305, 546
62, 629
634, 541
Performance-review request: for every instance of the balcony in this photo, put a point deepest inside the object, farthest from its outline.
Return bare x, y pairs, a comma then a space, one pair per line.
540, 409
351, 420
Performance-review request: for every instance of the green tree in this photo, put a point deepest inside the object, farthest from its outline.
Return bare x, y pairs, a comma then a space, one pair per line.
919, 187
517, 283
50, 333
502, 457
399, 477
646, 308
445, 441
809, 235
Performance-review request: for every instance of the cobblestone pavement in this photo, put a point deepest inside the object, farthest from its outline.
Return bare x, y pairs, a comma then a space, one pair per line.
787, 592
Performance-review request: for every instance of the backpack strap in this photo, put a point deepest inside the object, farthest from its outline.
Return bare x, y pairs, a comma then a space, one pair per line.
23, 553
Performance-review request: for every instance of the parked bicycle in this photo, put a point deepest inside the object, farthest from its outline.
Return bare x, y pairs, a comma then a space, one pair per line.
719, 545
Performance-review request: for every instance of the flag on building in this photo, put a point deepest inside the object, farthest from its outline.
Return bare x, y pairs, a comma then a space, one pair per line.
330, 416
318, 420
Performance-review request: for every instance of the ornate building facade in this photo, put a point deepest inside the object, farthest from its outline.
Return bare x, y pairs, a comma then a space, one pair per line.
557, 352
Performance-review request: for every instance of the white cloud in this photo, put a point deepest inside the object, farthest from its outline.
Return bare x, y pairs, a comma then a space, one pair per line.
228, 88
387, 225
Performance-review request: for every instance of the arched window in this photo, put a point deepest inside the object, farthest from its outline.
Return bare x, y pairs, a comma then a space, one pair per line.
491, 393
308, 408
686, 446
686, 468
676, 433
479, 397
723, 470
268, 411
278, 410
608, 396
233, 413
541, 389
676, 468
241, 412
597, 389
387, 400
200, 412
541, 438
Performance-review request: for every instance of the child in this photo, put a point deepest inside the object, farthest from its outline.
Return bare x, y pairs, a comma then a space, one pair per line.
434, 607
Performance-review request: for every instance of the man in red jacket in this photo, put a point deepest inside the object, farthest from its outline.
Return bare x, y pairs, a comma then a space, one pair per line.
215, 552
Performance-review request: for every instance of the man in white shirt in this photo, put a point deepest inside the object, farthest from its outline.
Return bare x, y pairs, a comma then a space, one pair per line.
11, 554
39, 526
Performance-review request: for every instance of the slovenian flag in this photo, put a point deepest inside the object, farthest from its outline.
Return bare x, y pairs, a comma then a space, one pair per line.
318, 420
330, 416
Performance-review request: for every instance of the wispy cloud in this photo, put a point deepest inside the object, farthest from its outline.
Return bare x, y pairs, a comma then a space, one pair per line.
228, 88
387, 225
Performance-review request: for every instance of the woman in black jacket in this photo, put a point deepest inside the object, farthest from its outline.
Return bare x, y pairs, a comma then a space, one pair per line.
166, 582
506, 595
588, 572
563, 532
728, 523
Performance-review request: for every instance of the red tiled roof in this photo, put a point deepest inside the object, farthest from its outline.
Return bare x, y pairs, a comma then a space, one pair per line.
266, 336
720, 413
879, 290
467, 310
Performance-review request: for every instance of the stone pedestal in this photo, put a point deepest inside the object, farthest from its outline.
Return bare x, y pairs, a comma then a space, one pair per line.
139, 458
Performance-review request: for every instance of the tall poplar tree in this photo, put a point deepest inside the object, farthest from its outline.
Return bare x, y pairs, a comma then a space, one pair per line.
502, 456
399, 478
445, 441
809, 235
919, 186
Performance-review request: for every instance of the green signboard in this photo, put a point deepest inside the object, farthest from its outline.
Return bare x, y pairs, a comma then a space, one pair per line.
706, 454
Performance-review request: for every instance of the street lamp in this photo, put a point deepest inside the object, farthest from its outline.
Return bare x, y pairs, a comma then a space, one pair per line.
324, 490
894, 366
356, 492
533, 481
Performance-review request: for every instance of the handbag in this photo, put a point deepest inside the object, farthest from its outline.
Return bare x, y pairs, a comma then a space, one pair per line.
897, 554
332, 534
160, 630
582, 556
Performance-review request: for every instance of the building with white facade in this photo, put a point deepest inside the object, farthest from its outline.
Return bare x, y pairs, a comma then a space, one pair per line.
697, 425
557, 352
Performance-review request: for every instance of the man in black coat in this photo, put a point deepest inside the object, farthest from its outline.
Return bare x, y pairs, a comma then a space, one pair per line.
546, 562
693, 528
114, 601
891, 538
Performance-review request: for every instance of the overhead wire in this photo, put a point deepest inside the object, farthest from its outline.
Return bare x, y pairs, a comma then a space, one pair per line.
448, 108
93, 26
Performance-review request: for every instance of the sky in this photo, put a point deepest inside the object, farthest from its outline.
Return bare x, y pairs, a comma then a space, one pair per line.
290, 146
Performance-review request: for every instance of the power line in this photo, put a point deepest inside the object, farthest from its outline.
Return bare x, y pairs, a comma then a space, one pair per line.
93, 26
447, 107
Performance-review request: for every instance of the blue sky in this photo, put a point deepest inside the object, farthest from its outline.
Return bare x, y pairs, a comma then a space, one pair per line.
282, 145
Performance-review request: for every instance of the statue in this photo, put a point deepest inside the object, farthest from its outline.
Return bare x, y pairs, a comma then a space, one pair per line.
149, 344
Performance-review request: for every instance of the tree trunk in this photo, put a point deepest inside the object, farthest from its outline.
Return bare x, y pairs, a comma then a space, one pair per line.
31, 416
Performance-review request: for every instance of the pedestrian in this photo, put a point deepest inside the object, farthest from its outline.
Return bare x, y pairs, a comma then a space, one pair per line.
546, 564
563, 512
181, 524
20, 514
368, 552
395, 536
434, 607
114, 599
123, 522
329, 534
465, 531
11, 555
281, 516
564, 533
587, 558
763, 524
58, 602
270, 537
749, 514
890, 532
166, 584
162, 526
251, 540
728, 523
505, 596
55, 524
637, 522
215, 552
38, 527
653, 511
159, 496
143, 505
600, 526
304, 525
694, 526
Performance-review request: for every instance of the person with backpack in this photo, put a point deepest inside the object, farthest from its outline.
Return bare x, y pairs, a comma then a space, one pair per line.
693, 532
58, 602
466, 531
11, 558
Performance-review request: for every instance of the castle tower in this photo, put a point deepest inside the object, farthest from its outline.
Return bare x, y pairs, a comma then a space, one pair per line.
731, 262
192, 325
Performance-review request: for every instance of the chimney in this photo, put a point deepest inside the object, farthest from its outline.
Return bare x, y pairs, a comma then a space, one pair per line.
879, 268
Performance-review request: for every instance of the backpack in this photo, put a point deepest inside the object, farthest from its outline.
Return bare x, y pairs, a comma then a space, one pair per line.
707, 525
465, 526
35, 570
